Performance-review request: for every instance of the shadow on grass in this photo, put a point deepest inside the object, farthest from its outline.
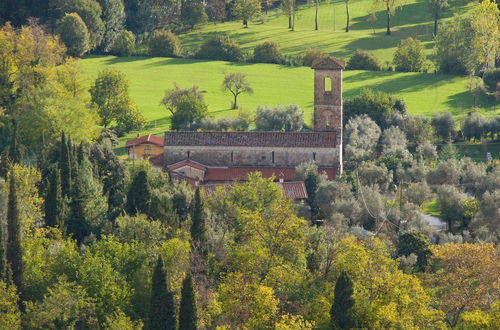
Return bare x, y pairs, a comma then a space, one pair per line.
463, 102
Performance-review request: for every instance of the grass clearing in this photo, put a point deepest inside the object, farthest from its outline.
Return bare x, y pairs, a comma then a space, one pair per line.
411, 20
275, 84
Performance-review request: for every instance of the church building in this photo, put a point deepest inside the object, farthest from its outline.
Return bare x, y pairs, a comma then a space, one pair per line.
204, 158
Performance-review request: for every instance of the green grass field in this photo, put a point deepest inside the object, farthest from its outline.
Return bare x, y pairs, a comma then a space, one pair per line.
276, 84
412, 20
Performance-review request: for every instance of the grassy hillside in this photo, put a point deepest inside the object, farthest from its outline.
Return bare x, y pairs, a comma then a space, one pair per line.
276, 84
412, 20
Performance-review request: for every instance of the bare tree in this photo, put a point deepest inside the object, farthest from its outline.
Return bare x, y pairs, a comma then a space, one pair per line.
236, 83
390, 8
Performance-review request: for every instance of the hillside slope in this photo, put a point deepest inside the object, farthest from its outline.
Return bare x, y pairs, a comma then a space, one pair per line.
276, 84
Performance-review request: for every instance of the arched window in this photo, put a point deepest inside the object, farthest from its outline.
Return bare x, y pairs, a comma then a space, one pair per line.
328, 84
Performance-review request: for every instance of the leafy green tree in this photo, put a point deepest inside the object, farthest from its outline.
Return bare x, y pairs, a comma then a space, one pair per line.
90, 11
363, 60
246, 10
139, 194
188, 318
444, 125
74, 34
409, 56
312, 182
475, 126
342, 314
164, 43
192, 13
289, 8
123, 44
377, 105
414, 242
236, 83
10, 317
198, 227
267, 52
188, 113
220, 47
437, 7
288, 118
110, 95
14, 251
390, 7
113, 17
162, 312
361, 138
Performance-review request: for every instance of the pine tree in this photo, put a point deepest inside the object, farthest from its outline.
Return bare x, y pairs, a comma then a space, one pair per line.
14, 247
187, 311
198, 230
341, 313
139, 194
65, 167
161, 312
54, 203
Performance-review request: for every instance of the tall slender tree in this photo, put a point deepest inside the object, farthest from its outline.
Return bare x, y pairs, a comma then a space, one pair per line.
347, 16
161, 310
53, 203
198, 228
437, 7
65, 166
341, 313
139, 194
14, 247
14, 153
316, 2
2, 252
188, 319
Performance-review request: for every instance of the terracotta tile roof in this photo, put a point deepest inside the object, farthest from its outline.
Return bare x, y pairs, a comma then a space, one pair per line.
145, 139
187, 162
157, 161
252, 139
295, 190
328, 63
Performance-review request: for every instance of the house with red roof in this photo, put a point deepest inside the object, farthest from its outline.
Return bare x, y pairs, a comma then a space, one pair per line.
144, 147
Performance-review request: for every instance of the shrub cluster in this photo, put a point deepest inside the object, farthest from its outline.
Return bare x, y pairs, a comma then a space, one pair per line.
410, 57
222, 48
267, 52
164, 43
224, 124
123, 44
311, 55
281, 118
362, 60
491, 79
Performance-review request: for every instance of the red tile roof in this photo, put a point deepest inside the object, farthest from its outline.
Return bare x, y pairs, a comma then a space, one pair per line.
295, 190
328, 63
145, 139
239, 173
187, 162
252, 139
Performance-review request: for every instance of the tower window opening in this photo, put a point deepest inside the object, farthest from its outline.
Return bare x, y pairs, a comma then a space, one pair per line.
328, 84
232, 156
273, 156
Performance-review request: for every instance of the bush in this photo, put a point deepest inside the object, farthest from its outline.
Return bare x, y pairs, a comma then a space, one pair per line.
164, 43
409, 57
491, 79
362, 60
220, 48
74, 34
224, 124
123, 44
289, 118
311, 55
267, 52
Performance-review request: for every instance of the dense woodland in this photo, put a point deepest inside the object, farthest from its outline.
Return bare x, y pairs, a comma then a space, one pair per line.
90, 240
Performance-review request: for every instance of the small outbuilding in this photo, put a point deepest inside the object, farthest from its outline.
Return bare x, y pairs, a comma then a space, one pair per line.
145, 147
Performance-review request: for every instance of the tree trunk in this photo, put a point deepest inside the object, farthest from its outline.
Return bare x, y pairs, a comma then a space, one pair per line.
435, 25
316, 16
347, 15
245, 22
290, 21
388, 22
235, 105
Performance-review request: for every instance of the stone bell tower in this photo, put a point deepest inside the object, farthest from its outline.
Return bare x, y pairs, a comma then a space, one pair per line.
328, 110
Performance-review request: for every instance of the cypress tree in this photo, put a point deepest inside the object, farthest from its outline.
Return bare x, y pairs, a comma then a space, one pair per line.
187, 311
14, 248
161, 311
65, 167
2, 252
139, 194
312, 182
77, 224
14, 154
341, 313
198, 229
53, 203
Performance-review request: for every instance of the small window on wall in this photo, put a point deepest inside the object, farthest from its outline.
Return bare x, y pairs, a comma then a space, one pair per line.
328, 84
